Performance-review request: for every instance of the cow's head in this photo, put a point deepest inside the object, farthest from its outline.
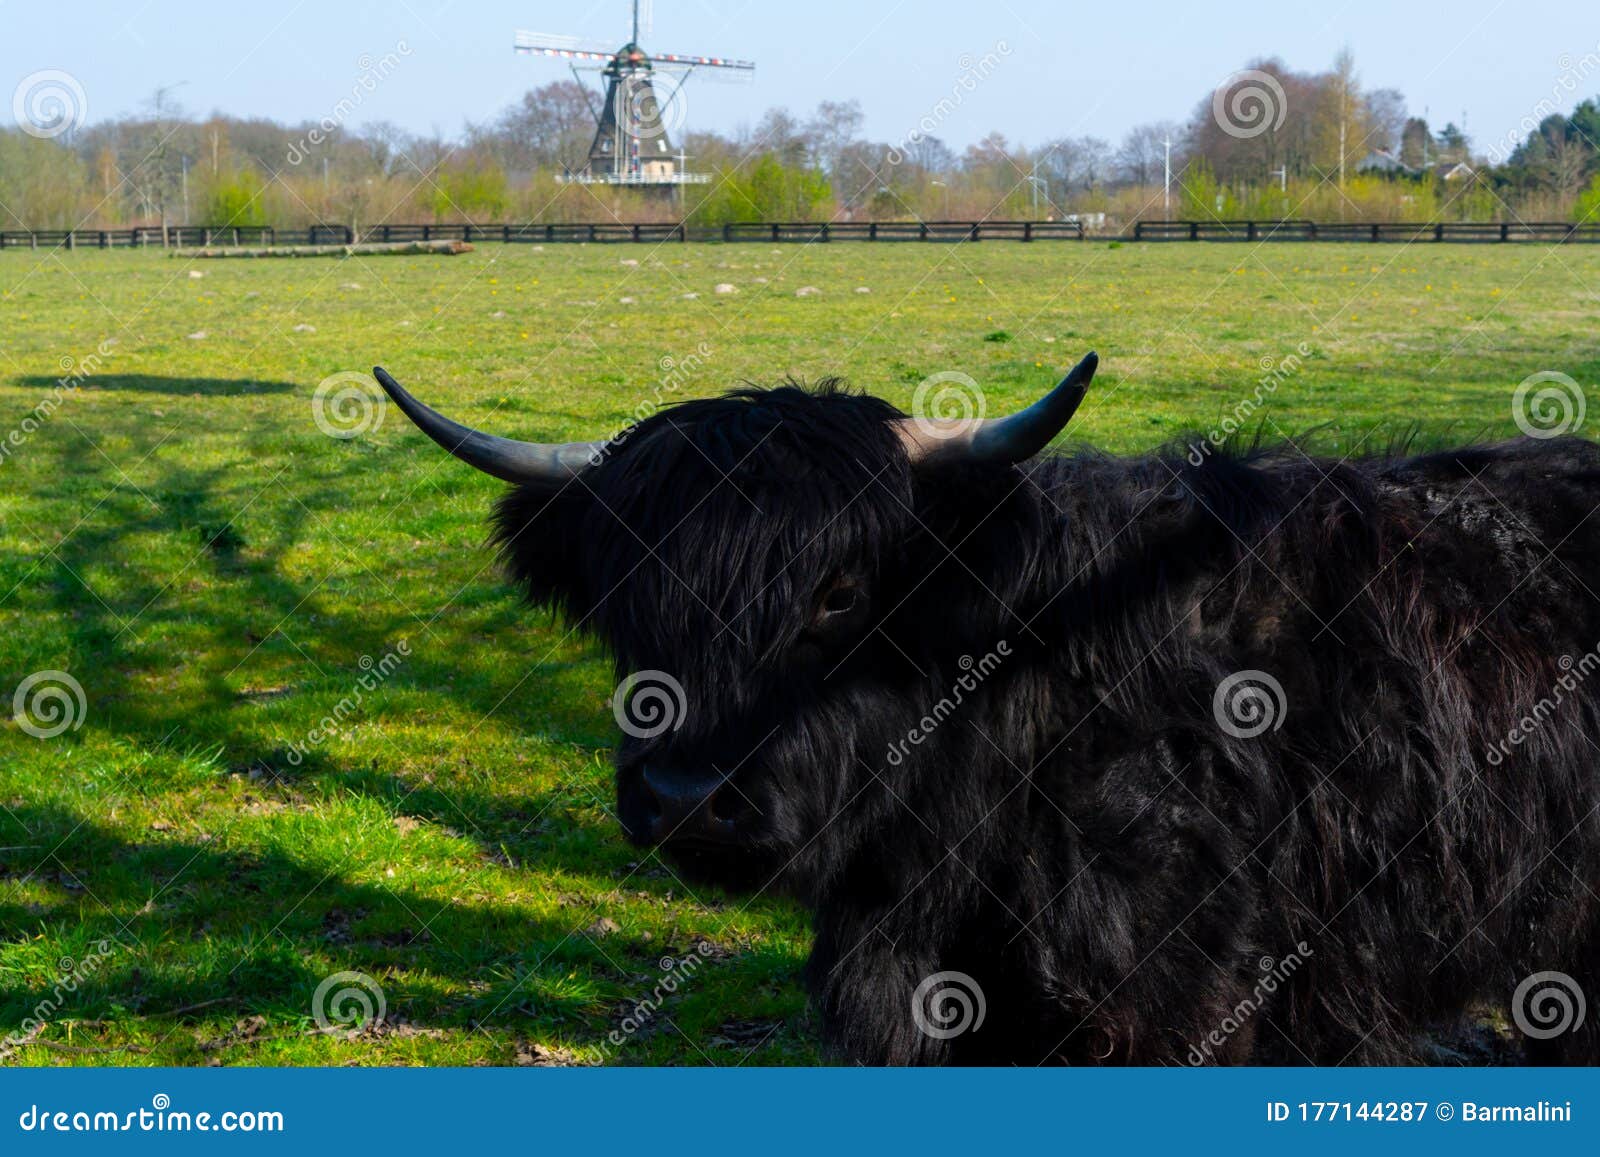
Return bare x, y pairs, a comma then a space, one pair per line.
778, 574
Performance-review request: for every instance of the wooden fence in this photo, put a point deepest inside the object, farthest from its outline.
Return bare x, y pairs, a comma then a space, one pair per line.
907, 231
142, 236
1549, 232
210, 236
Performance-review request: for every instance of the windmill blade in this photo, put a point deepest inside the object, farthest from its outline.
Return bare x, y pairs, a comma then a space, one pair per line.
701, 61
562, 53
564, 47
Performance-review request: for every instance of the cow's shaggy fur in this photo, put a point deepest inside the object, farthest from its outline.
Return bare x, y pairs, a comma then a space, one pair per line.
1415, 833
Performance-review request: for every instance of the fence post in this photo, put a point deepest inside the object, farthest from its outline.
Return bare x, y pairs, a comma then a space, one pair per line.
1505, 230
1194, 230
922, 232
1249, 230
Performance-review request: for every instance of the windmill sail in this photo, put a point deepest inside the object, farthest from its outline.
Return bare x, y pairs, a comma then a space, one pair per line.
631, 143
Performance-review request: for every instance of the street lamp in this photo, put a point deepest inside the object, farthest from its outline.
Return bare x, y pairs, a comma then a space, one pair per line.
1035, 180
1166, 180
946, 188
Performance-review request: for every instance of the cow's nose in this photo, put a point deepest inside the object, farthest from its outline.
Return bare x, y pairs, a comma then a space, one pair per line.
685, 808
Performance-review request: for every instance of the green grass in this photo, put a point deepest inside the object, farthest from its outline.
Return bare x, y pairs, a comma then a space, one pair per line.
217, 573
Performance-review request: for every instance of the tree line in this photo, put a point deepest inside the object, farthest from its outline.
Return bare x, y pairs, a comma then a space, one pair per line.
1270, 142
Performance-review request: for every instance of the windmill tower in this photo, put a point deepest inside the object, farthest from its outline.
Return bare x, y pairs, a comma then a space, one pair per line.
631, 144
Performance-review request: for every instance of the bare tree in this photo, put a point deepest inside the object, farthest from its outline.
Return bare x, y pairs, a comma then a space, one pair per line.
1141, 158
549, 128
832, 129
1385, 116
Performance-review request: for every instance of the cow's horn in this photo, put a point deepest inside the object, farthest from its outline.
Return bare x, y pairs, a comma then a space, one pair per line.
1004, 440
506, 459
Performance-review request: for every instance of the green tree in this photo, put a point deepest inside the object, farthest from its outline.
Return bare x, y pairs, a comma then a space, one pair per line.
1587, 210
235, 198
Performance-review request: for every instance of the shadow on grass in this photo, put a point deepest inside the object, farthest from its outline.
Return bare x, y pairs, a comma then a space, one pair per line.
162, 384
254, 915
197, 923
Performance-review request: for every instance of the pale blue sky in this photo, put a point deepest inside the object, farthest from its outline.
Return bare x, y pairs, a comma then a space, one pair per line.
1072, 68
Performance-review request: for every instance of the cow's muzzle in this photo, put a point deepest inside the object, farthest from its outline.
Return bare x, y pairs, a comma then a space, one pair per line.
684, 810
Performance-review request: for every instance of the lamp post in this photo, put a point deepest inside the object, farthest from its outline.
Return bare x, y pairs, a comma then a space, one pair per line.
946, 188
1166, 181
1035, 180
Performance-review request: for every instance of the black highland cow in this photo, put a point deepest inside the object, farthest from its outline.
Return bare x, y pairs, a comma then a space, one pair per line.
1193, 757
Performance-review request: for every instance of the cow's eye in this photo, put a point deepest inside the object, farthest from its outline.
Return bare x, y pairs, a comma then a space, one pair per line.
840, 605
840, 599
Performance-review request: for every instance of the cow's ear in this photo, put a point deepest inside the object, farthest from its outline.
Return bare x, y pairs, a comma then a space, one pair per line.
536, 529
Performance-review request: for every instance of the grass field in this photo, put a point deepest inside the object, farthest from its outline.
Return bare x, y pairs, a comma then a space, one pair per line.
182, 869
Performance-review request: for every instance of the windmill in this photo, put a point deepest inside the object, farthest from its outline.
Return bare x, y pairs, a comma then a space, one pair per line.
631, 145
